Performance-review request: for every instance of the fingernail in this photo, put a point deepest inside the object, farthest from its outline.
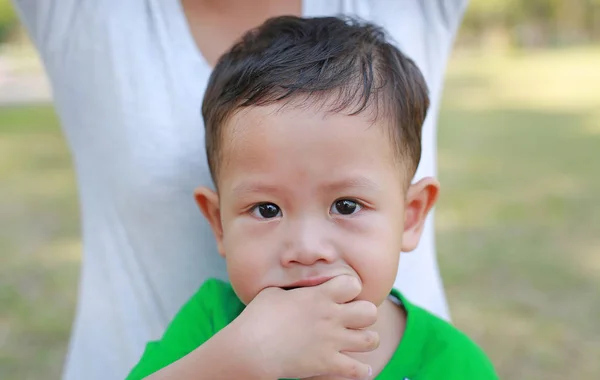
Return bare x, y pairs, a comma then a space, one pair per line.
370, 373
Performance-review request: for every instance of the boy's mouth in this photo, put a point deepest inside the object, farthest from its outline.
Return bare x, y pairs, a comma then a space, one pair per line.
311, 281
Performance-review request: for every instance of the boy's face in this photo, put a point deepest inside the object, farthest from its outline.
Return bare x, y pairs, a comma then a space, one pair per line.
304, 197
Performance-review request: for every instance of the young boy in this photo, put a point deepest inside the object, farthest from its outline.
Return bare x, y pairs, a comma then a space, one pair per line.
313, 131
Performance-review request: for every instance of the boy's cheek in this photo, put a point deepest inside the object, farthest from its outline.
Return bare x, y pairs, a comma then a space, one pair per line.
249, 254
247, 272
374, 255
376, 264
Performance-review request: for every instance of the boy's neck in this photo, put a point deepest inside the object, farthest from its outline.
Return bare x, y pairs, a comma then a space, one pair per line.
390, 325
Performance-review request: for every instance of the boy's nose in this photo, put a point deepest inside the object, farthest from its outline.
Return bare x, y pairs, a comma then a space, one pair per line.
308, 245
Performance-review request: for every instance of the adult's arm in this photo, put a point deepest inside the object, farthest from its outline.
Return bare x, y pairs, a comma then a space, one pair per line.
47, 21
449, 12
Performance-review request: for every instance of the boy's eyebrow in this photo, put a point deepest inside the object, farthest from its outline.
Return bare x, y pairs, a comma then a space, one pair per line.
345, 183
351, 182
253, 187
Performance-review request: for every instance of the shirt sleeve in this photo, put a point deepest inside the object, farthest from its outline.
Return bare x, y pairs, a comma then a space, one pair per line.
468, 365
449, 12
196, 322
459, 359
47, 20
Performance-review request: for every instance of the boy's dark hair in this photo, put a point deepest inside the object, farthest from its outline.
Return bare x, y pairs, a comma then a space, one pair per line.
342, 64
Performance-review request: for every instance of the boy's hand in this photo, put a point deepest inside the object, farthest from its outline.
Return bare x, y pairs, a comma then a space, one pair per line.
305, 332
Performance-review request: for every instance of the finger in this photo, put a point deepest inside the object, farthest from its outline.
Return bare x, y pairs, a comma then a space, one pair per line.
341, 289
360, 341
348, 368
358, 314
271, 289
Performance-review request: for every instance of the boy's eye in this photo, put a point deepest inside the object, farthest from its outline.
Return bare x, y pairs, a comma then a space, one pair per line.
266, 211
345, 207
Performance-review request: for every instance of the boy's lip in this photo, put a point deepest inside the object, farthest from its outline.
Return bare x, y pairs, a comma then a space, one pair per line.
310, 281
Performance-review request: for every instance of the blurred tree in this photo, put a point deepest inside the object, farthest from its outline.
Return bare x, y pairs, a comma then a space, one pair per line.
533, 22
8, 19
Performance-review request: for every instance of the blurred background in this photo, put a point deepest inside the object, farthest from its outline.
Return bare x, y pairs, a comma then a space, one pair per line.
518, 224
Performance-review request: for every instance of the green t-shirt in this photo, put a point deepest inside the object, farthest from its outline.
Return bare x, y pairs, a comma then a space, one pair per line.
430, 347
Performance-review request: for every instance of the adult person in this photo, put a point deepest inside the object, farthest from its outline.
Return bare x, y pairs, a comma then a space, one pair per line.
128, 79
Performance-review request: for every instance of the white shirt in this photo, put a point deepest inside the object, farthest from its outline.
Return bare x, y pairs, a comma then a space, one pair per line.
128, 83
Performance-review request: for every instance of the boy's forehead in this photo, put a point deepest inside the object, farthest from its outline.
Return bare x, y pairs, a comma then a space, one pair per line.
302, 132
276, 124
281, 114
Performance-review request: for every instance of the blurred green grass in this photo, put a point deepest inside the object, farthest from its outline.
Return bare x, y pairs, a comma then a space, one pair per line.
39, 244
518, 227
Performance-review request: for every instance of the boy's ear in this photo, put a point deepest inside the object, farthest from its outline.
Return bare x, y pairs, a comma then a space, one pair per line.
208, 201
420, 199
